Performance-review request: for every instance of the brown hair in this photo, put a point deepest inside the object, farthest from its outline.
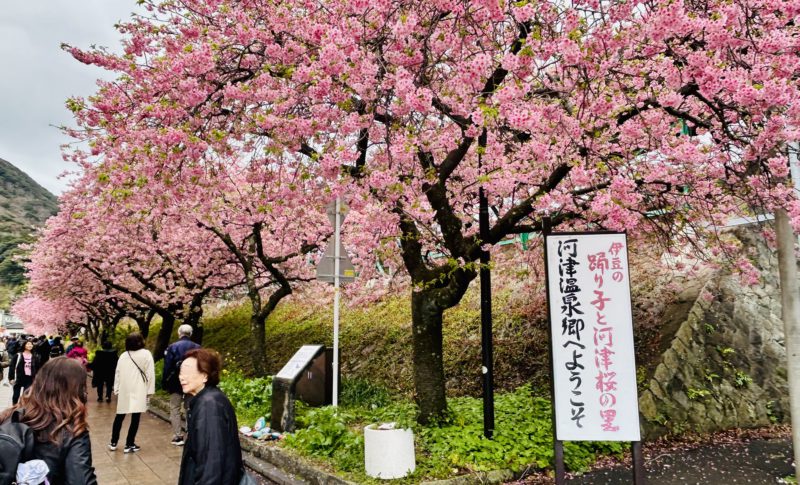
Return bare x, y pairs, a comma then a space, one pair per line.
134, 341
209, 363
55, 402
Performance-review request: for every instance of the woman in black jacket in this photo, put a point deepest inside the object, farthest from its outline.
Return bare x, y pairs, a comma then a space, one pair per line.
55, 410
212, 454
103, 367
22, 370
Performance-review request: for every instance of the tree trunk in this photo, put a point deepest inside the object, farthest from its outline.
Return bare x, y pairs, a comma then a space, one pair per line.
258, 339
427, 307
193, 316
143, 322
197, 333
90, 330
426, 324
162, 342
787, 269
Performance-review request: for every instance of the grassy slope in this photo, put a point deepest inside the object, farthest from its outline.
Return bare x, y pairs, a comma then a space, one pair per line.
376, 340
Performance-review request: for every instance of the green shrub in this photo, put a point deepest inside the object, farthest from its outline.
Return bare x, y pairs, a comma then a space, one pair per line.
741, 379
696, 394
325, 433
523, 436
251, 397
159, 367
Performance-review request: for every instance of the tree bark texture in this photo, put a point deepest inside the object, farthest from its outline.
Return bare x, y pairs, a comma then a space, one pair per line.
427, 307
258, 346
193, 319
787, 269
163, 339
144, 326
429, 382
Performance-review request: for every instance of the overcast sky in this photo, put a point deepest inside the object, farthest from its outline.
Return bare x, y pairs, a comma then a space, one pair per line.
36, 76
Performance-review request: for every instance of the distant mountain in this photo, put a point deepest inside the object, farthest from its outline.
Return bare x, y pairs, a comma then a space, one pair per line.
23, 202
24, 206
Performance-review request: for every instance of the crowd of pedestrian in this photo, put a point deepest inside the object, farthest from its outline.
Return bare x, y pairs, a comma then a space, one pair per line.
50, 396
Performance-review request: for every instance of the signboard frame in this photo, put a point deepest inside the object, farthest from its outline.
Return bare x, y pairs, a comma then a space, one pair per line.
638, 462
285, 383
299, 361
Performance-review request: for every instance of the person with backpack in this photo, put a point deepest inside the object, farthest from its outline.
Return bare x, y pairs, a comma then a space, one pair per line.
173, 357
134, 382
104, 366
49, 423
22, 371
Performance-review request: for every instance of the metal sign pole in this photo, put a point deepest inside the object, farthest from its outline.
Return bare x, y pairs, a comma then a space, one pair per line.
336, 261
638, 463
794, 166
487, 350
558, 446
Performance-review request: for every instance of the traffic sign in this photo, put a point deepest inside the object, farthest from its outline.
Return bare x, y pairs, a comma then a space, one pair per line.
325, 268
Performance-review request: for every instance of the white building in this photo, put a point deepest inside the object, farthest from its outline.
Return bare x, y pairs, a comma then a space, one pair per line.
10, 324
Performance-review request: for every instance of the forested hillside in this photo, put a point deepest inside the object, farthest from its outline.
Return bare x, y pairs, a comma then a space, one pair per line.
24, 205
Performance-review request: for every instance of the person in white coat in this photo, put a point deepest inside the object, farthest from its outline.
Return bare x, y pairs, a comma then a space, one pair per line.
134, 382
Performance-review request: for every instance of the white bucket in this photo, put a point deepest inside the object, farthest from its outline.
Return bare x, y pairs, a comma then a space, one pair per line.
388, 453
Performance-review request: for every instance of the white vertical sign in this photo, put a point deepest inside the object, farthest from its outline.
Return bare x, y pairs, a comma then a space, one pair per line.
594, 370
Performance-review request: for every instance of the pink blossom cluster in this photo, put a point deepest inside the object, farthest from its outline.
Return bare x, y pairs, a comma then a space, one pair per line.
230, 125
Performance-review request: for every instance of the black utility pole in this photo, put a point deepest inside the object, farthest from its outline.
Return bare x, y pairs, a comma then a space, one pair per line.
558, 445
486, 304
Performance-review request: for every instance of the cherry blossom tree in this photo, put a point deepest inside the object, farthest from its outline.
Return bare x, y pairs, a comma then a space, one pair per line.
270, 235
46, 316
659, 118
116, 261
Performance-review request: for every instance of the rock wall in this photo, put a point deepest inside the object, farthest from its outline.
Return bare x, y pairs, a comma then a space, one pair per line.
724, 366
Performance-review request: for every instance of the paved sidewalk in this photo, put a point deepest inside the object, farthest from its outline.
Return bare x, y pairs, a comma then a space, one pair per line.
158, 462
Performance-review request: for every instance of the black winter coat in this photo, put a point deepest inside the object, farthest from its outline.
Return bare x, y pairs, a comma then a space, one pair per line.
42, 352
56, 350
212, 454
70, 462
103, 366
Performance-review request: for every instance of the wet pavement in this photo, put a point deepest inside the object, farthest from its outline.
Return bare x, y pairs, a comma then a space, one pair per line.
756, 462
157, 463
